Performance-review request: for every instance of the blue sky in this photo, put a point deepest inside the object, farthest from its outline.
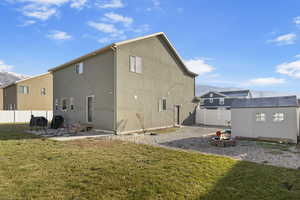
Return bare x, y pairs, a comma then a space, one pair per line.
230, 43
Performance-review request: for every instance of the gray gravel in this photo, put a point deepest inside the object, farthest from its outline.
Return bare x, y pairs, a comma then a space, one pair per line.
197, 139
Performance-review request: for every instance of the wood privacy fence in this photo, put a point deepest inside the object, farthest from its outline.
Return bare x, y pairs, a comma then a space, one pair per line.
213, 117
23, 116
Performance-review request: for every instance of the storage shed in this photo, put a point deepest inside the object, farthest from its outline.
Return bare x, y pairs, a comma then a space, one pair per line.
267, 118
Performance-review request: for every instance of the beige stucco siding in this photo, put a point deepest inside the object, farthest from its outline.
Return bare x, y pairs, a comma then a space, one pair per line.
1, 99
139, 94
10, 97
244, 124
97, 79
34, 100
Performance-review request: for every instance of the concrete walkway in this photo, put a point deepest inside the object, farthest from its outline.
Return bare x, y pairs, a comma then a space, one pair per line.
69, 138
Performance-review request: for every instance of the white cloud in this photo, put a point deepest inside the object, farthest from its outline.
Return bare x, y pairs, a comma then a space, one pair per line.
27, 23
286, 39
59, 35
110, 4
291, 69
198, 66
78, 4
45, 9
264, 81
156, 3
114, 18
106, 28
5, 67
297, 20
297, 56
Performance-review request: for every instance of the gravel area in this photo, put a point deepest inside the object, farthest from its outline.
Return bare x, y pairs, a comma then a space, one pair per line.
197, 139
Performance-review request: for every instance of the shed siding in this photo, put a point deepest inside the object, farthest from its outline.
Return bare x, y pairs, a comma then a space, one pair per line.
139, 94
244, 123
97, 79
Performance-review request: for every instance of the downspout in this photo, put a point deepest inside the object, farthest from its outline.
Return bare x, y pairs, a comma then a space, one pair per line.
114, 49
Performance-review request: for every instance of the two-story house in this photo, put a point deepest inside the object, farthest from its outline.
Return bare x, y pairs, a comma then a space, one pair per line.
34, 93
128, 86
222, 100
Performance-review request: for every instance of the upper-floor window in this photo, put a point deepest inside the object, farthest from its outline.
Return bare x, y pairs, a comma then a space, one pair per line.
23, 89
211, 95
260, 117
43, 91
221, 101
79, 68
211, 100
278, 117
135, 64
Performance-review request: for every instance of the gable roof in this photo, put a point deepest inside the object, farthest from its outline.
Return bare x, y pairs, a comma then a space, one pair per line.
22, 80
266, 102
116, 44
236, 93
218, 93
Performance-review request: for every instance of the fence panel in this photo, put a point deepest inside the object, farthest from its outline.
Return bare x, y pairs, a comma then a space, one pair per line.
23, 116
213, 117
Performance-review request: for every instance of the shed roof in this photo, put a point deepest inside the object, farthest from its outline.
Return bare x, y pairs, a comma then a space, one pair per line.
266, 102
112, 46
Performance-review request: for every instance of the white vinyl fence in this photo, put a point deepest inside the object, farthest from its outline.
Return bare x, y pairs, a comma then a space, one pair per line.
213, 117
23, 116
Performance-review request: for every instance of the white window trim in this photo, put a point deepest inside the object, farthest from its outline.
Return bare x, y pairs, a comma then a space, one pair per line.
260, 118
86, 108
221, 101
134, 70
72, 103
81, 66
211, 100
278, 119
160, 104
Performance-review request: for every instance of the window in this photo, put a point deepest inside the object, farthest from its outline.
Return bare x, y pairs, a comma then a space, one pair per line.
43, 91
79, 68
221, 101
278, 117
260, 117
202, 101
23, 89
211, 100
72, 107
64, 104
162, 104
56, 104
211, 95
135, 63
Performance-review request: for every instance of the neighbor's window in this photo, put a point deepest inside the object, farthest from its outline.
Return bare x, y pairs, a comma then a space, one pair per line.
64, 104
260, 117
72, 106
135, 63
56, 104
211, 100
43, 91
221, 100
23, 89
278, 117
162, 104
211, 95
79, 68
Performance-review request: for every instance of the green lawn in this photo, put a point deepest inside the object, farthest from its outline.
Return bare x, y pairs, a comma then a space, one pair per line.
33, 168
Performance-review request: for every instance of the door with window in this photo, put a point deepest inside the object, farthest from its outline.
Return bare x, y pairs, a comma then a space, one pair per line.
90, 109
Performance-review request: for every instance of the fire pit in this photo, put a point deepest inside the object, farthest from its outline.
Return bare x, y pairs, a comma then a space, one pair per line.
223, 139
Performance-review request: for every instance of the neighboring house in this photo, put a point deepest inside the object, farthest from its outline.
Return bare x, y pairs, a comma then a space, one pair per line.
127, 86
222, 100
1, 99
34, 93
270, 118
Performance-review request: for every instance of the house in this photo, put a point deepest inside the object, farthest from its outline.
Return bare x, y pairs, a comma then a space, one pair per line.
268, 118
222, 100
34, 93
127, 86
1, 99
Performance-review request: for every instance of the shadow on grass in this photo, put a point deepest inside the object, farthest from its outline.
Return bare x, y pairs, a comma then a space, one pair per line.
15, 132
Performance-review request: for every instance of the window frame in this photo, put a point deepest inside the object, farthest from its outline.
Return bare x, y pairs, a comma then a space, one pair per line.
222, 101
72, 104
136, 64
278, 117
43, 92
211, 100
21, 89
260, 117
56, 107
62, 104
79, 68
